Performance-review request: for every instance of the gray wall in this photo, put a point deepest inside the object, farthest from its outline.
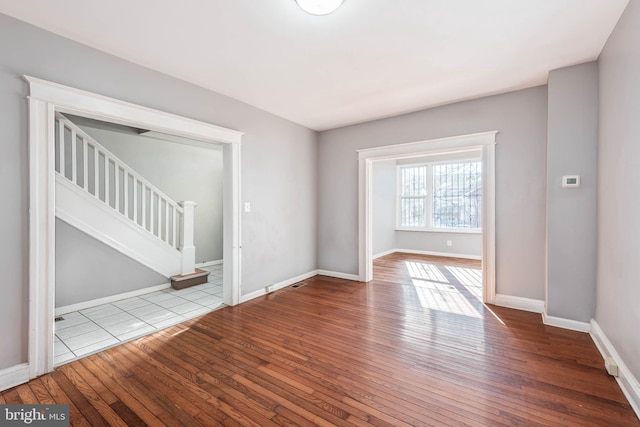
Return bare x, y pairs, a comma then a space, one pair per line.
618, 290
182, 172
87, 269
521, 118
383, 226
279, 168
436, 241
571, 212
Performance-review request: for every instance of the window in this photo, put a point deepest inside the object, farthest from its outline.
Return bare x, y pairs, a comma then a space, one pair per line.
441, 196
413, 198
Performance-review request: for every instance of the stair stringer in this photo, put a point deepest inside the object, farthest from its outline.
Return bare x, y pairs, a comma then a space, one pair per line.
93, 217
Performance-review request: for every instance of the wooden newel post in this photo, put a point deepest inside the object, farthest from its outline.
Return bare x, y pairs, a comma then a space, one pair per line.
187, 232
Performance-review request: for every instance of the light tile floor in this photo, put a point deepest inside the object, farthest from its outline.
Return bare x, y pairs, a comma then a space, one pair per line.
97, 328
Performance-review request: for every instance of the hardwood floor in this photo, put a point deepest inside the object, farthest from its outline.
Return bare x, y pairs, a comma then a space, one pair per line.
416, 348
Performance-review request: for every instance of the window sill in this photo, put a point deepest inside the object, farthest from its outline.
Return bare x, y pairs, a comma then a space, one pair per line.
442, 230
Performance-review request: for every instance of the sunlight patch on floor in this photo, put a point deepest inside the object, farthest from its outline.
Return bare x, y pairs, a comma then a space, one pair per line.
418, 270
470, 278
436, 292
437, 296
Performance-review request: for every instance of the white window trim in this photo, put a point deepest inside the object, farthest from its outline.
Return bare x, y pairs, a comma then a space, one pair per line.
486, 142
428, 198
399, 195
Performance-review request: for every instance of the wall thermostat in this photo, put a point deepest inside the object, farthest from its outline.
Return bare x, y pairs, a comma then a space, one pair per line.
571, 181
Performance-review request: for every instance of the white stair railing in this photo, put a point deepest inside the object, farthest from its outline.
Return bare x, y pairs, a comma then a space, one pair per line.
87, 164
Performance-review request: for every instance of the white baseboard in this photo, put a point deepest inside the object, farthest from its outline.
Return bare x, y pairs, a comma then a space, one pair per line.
13, 376
627, 381
574, 325
106, 300
381, 254
443, 254
339, 275
210, 263
520, 303
276, 286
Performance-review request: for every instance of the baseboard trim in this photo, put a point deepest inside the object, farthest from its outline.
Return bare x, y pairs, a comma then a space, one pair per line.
442, 254
339, 275
520, 303
106, 300
560, 322
13, 376
210, 263
627, 382
268, 289
381, 254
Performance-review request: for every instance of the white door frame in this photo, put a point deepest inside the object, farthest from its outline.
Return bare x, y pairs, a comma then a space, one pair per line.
484, 141
47, 98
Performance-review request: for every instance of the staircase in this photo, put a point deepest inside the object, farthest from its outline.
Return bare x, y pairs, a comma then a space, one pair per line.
100, 195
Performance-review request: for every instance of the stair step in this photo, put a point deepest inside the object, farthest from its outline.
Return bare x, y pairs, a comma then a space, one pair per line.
182, 281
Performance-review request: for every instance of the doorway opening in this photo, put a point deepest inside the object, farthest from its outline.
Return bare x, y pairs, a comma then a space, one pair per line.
122, 182
483, 143
45, 100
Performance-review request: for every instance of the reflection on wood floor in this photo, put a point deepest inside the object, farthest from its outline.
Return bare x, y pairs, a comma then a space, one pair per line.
449, 284
336, 352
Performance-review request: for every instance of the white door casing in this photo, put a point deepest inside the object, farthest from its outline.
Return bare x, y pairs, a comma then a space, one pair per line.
47, 98
484, 141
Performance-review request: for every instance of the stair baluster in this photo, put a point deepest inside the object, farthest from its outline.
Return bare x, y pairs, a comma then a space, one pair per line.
171, 222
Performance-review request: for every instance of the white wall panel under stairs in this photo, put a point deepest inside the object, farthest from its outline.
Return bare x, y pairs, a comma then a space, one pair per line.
83, 211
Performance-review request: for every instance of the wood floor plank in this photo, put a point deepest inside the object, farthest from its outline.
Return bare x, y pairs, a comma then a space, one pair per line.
396, 396
190, 398
40, 392
94, 397
124, 396
414, 347
215, 373
12, 397
406, 398
119, 371
76, 418
224, 398
93, 417
25, 393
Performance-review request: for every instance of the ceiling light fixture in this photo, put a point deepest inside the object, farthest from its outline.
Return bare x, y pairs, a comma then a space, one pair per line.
319, 7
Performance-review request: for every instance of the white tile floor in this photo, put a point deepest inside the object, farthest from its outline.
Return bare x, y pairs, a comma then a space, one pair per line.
93, 329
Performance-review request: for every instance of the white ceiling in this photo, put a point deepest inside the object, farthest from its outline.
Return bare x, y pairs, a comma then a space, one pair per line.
370, 59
